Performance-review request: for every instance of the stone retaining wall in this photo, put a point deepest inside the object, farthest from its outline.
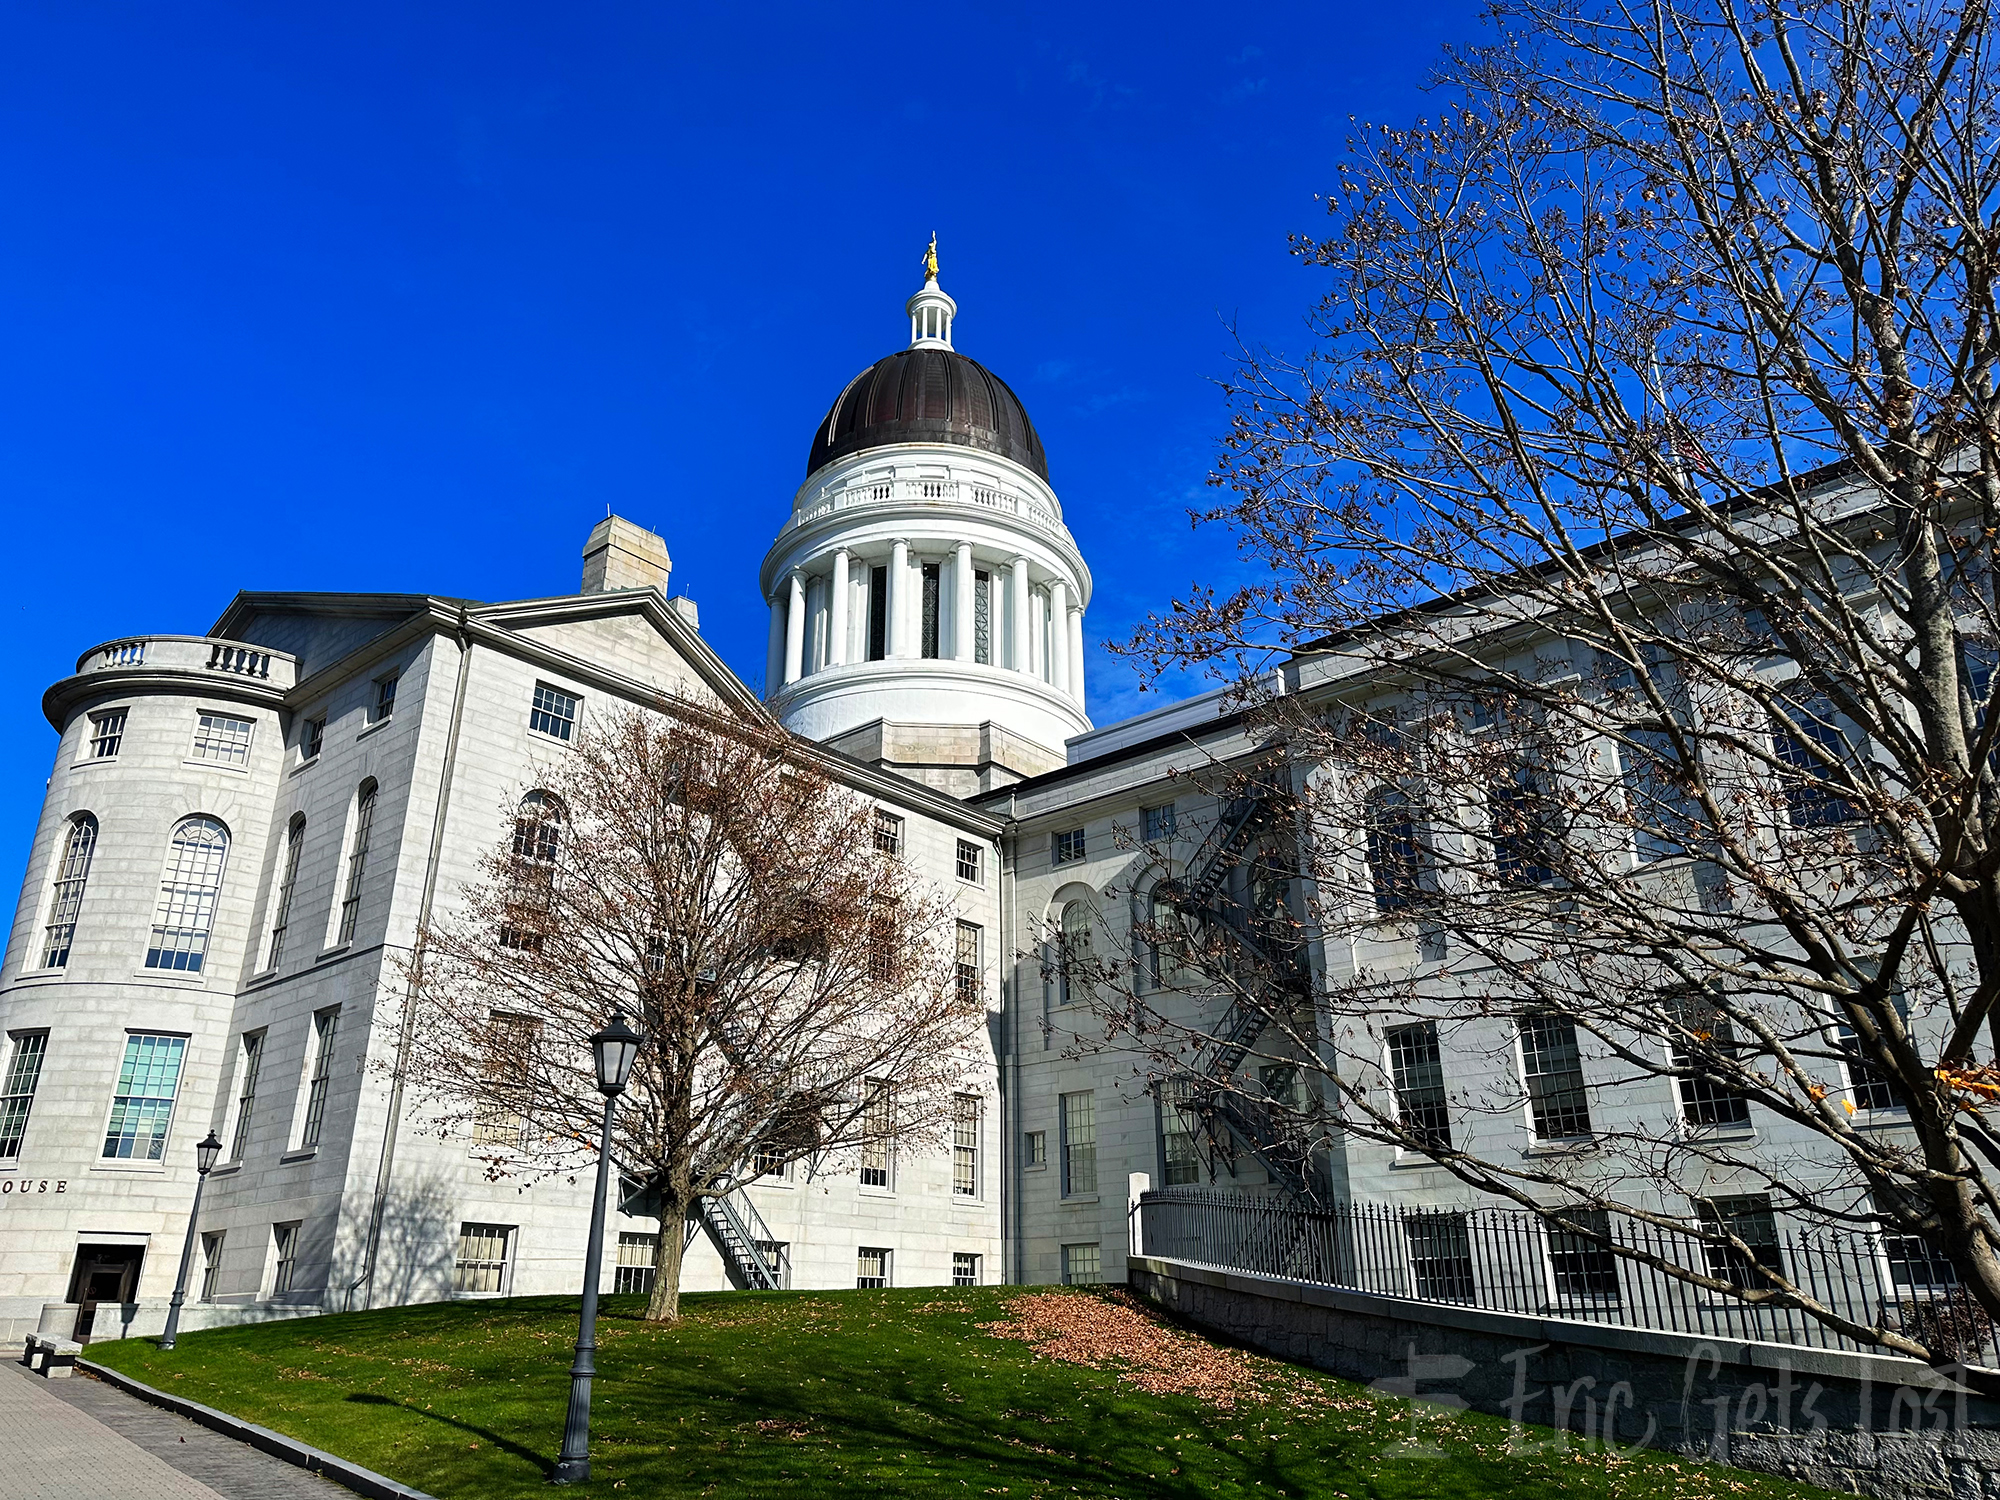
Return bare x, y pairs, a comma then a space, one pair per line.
1865, 1424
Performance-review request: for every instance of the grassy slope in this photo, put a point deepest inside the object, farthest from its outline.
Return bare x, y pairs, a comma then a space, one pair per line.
875, 1394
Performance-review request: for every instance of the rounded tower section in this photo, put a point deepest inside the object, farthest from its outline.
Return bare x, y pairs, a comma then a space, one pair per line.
926, 599
131, 941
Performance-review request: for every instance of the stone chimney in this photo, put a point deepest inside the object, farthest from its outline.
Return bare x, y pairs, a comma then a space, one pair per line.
620, 555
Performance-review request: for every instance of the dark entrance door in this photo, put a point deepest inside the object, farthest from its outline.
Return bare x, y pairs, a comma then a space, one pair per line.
104, 1273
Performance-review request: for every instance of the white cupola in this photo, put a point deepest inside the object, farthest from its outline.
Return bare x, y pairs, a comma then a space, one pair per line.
926, 598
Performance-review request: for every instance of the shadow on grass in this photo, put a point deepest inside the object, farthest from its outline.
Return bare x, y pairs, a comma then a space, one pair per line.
505, 1445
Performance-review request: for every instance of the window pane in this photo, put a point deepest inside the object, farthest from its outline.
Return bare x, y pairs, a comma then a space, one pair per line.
1083, 1265
24, 1076
223, 738
1706, 1100
1553, 1072
871, 1267
357, 863
107, 733
968, 860
1583, 1269
964, 1269
1440, 1256
253, 1056
143, 1106
1079, 1144
1417, 1067
634, 1272
288, 877
1750, 1219
188, 895
326, 1027
482, 1258
553, 712
879, 1124
965, 1145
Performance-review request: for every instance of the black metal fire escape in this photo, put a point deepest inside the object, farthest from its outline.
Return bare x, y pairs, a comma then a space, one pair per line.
1264, 955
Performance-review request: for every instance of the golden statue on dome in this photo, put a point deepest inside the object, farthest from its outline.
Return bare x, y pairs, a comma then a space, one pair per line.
930, 259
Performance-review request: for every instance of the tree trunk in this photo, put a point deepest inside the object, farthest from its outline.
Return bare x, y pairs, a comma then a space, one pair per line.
664, 1306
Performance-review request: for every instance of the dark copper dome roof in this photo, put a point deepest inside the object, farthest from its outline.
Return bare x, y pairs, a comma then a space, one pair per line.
928, 396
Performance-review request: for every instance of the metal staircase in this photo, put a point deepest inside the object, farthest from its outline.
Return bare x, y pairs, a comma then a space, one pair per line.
738, 1231
1267, 961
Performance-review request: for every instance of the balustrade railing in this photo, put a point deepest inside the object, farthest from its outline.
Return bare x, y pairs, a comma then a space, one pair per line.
241, 660
933, 491
122, 654
1510, 1261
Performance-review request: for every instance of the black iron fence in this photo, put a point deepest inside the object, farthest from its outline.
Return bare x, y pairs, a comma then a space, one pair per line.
1512, 1261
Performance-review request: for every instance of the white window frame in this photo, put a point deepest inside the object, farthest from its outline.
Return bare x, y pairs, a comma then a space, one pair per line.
509, 1237
569, 723
213, 730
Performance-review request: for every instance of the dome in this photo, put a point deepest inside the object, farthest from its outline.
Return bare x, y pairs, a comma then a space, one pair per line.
928, 395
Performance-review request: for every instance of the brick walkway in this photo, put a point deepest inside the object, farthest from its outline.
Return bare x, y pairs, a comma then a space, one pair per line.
79, 1439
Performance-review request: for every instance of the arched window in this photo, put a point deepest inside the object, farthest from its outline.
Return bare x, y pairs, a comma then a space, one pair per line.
1392, 849
357, 861
537, 839
288, 877
188, 893
1073, 955
79, 844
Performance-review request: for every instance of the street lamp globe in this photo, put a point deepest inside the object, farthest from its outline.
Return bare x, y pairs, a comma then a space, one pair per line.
205, 1152
616, 1047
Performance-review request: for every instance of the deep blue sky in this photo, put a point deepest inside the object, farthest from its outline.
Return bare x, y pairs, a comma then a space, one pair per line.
402, 297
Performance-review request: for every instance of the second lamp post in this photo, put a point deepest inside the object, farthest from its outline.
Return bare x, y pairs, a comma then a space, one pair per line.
615, 1048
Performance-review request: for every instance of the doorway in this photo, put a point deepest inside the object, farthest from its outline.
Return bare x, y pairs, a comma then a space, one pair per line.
104, 1273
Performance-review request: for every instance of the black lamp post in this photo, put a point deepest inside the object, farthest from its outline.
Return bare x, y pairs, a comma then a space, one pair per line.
616, 1047
205, 1152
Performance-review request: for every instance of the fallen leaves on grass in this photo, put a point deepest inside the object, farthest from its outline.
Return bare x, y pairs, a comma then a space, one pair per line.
1114, 1331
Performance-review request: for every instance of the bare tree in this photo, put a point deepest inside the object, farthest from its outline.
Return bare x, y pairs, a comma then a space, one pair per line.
1627, 534
796, 985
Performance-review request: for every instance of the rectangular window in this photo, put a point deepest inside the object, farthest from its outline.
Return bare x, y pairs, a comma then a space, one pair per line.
510, 1045
1035, 1148
965, 1146
326, 1027
1079, 1144
1083, 1265
385, 698
982, 617
878, 613
1417, 1067
1180, 1156
1552, 1070
148, 1078
1867, 1085
930, 620
888, 832
871, 1267
1750, 1219
1524, 825
1915, 1264
246, 1098
1582, 1268
768, 1161
1706, 1100
1282, 1085
357, 864
633, 1275
24, 1076
553, 713
314, 739
221, 737
1066, 848
878, 1123
285, 1241
1658, 799
1815, 755
1440, 1256
107, 733
481, 1268
966, 964
968, 861
1156, 824
964, 1268
211, 1265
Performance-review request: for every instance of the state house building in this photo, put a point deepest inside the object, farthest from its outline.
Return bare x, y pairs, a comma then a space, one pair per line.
244, 829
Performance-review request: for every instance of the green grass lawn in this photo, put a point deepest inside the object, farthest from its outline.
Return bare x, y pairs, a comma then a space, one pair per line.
874, 1393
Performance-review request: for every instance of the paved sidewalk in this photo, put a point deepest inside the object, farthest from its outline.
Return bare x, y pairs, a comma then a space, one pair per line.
80, 1439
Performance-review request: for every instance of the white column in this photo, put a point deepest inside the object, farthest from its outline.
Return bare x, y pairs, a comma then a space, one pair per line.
1018, 577
1076, 653
899, 596
795, 630
836, 612
774, 659
1059, 635
961, 616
